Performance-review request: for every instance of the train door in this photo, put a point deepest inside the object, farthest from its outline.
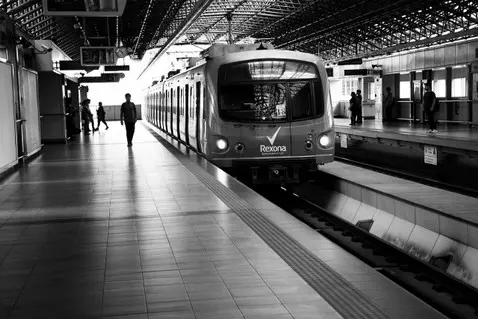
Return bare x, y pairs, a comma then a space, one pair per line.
156, 108
192, 118
159, 109
199, 117
178, 112
163, 109
171, 117
147, 107
306, 103
186, 114
167, 111
151, 103
182, 118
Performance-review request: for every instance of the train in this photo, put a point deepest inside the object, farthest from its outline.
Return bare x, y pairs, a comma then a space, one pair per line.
258, 112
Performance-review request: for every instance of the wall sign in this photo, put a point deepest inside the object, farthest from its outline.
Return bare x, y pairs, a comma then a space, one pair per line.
343, 140
430, 155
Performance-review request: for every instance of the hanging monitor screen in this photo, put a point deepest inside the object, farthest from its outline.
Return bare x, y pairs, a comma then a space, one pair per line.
84, 8
95, 56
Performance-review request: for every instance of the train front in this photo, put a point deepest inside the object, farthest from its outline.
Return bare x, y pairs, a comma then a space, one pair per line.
274, 121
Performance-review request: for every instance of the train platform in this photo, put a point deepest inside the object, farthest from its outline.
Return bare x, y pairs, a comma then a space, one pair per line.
94, 229
451, 136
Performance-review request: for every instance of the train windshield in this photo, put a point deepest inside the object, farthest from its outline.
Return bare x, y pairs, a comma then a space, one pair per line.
269, 91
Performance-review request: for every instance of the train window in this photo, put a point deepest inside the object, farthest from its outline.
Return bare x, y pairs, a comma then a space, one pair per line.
254, 102
266, 70
301, 100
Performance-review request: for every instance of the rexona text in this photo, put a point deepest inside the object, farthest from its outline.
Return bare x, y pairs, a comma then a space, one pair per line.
273, 149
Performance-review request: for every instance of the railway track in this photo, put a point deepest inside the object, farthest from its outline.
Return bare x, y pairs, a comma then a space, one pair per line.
428, 281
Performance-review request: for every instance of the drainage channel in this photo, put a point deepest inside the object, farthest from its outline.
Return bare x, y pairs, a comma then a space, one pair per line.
427, 281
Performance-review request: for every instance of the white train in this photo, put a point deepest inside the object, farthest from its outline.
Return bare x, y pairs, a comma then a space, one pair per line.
263, 112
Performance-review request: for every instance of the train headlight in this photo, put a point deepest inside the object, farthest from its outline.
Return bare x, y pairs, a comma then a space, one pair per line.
324, 140
221, 144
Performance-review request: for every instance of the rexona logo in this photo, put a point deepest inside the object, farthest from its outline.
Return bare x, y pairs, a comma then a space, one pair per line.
273, 149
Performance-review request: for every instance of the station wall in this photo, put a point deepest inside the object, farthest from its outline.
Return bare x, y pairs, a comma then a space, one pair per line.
451, 74
446, 55
8, 155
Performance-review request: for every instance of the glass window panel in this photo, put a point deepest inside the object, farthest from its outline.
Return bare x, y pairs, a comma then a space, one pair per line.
254, 102
404, 89
459, 87
371, 90
439, 87
301, 98
264, 70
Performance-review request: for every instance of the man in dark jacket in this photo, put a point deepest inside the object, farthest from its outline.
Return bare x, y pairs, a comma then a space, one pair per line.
128, 113
100, 113
430, 105
358, 102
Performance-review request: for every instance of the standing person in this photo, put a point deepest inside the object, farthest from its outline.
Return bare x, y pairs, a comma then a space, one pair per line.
87, 116
430, 104
100, 113
388, 104
359, 106
128, 113
353, 108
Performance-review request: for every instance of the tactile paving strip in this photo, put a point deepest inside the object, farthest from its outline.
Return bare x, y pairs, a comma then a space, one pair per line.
348, 301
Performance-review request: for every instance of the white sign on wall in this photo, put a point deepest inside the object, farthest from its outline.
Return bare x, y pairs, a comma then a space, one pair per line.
430, 155
343, 140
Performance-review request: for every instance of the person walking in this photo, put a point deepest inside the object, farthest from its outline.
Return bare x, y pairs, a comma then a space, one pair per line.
100, 113
359, 106
430, 104
128, 113
353, 108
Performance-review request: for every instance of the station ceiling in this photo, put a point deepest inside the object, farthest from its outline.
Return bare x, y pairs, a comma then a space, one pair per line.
337, 29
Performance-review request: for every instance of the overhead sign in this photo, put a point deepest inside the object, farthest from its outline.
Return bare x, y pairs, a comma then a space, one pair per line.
430, 155
356, 72
105, 77
75, 65
114, 68
96, 56
84, 8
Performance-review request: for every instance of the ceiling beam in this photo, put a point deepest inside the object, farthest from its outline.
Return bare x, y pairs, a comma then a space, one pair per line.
21, 7
26, 14
193, 15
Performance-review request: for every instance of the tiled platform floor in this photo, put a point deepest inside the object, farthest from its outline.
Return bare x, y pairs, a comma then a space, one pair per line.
98, 230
